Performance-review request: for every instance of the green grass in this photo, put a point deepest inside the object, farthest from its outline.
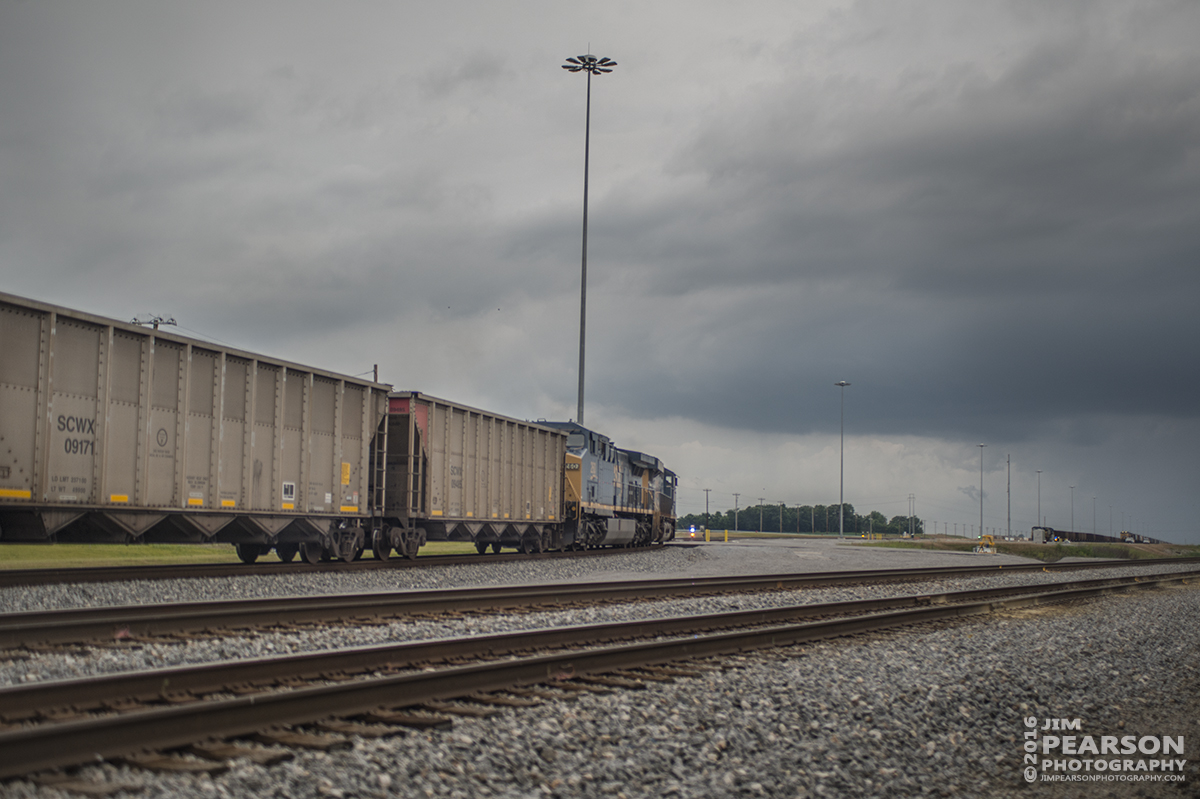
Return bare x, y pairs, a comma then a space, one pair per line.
444, 548
63, 556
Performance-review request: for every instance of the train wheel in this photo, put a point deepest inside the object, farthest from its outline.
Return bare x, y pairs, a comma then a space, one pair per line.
481, 547
311, 552
248, 553
496, 547
286, 552
381, 543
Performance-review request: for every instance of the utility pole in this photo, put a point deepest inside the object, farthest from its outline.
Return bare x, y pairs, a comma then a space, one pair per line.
1009, 522
735, 511
706, 525
761, 500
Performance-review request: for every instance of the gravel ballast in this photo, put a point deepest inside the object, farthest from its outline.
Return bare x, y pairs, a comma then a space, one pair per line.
931, 710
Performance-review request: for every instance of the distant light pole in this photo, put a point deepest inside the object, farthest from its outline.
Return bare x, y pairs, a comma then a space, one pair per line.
761, 500
591, 65
842, 461
1072, 509
981, 446
1008, 521
735, 511
1039, 518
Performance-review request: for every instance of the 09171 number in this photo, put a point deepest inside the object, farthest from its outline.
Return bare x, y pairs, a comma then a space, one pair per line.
79, 446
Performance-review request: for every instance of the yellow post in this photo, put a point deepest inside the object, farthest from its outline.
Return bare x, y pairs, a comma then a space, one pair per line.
726, 536
706, 538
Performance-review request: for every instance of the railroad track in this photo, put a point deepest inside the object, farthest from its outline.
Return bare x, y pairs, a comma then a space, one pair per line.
65, 723
137, 623
11, 578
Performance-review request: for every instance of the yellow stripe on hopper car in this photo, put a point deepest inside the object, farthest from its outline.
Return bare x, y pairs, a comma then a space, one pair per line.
194, 501
118, 498
15, 493
349, 509
228, 503
289, 506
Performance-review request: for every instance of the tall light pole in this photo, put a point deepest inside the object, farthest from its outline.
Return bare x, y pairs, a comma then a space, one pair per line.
599, 66
842, 461
981, 446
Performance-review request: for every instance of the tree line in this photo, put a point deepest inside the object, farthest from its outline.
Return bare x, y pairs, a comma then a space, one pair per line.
802, 519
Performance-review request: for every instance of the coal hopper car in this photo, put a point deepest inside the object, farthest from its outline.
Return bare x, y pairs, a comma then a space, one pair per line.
113, 432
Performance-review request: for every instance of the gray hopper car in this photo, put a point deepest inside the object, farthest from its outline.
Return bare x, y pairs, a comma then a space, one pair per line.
114, 432
456, 473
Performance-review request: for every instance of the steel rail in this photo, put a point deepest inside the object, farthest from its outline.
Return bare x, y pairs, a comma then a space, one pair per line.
134, 621
12, 578
31, 749
21, 701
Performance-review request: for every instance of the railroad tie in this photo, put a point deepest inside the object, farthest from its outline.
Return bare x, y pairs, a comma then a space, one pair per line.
501, 701
361, 730
416, 721
222, 750
545, 693
563, 685
641, 674
473, 711
158, 761
302, 740
668, 671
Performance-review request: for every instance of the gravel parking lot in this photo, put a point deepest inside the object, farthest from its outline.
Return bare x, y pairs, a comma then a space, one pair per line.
935, 710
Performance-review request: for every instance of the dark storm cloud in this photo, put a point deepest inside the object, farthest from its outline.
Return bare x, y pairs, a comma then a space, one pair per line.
985, 247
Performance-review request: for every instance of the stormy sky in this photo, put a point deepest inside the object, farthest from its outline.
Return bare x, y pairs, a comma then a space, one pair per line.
983, 215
